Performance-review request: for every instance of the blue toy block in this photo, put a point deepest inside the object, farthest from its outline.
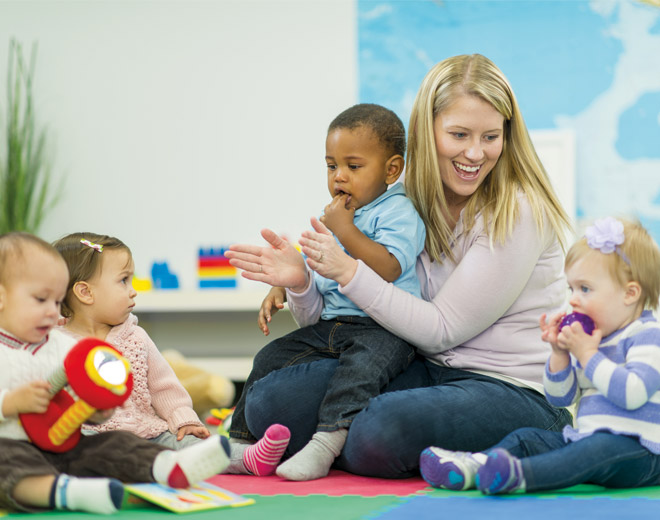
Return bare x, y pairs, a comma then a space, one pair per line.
162, 277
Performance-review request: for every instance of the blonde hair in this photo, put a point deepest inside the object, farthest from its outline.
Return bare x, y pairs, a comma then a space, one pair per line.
83, 260
12, 251
518, 167
636, 260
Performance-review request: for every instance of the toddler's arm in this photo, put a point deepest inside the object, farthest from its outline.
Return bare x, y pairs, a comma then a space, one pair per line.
273, 302
32, 397
169, 398
338, 219
631, 385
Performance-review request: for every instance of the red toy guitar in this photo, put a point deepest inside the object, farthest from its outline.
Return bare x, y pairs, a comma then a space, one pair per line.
100, 377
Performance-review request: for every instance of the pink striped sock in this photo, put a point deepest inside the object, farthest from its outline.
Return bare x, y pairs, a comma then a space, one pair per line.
262, 458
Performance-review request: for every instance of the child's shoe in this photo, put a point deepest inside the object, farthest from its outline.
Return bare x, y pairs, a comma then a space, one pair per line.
502, 473
446, 469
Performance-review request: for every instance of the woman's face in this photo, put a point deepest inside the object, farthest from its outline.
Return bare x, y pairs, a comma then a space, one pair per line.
469, 136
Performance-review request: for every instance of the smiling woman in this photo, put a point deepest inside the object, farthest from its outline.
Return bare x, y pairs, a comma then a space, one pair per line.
492, 265
469, 140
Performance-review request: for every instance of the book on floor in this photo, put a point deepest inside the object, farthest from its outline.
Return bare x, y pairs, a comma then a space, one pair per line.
200, 497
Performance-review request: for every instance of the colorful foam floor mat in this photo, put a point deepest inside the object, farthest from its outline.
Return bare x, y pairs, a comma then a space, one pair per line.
342, 496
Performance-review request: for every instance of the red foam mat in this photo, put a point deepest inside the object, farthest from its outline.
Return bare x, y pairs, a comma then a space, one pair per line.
337, 483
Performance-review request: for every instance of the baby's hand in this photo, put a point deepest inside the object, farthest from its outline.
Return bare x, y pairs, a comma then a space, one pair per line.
100, 416
192, 429
33, 397
582, 345
559, 359
336, 215
273, 302
550, 329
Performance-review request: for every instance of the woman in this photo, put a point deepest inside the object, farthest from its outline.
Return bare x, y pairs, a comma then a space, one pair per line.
491, 266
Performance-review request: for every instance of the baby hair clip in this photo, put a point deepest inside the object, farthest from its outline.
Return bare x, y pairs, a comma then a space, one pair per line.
606, 235
88, 243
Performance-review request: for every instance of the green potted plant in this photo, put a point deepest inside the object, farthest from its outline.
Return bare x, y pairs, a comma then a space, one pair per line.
25, 171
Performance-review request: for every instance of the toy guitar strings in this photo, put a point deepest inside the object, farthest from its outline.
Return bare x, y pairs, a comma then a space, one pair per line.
101, 379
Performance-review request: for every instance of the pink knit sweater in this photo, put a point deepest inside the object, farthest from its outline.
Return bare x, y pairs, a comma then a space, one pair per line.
158, 401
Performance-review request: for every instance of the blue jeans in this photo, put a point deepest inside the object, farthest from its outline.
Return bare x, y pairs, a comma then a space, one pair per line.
427, 405
368, 357
614, 461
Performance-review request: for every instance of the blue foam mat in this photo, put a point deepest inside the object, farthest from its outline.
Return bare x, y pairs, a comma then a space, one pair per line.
520, 506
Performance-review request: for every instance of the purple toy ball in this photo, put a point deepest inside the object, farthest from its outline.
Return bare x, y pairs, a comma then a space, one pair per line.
584, 320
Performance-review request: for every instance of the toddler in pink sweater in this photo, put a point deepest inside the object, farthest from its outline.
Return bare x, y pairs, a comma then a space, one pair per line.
98, 303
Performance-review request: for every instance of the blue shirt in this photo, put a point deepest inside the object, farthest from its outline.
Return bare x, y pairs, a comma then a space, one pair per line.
392, 221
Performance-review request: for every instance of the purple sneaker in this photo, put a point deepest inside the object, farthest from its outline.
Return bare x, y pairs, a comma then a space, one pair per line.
502, 473
450, 469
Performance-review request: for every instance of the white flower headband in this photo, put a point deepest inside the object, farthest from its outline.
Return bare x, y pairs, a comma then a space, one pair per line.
606, 235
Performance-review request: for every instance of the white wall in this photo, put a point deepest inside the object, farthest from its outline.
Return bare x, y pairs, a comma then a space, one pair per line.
179, 124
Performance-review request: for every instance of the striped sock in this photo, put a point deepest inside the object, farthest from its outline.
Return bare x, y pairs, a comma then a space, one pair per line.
262, 458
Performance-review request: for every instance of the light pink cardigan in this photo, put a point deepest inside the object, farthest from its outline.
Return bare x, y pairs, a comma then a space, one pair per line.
158, 401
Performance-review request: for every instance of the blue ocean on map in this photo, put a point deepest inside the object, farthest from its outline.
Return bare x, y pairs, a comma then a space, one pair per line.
591, 67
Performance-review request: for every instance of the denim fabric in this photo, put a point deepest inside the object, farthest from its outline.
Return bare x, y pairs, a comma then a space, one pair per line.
427, 405
368, 357
609, 460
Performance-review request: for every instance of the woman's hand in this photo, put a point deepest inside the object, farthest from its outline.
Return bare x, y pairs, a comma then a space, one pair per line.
278, 264
325, 256
273, 302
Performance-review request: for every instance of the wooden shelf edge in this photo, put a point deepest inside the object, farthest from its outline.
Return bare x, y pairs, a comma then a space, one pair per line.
202, 300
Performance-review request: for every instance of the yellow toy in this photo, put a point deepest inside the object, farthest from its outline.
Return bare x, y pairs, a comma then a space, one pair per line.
222, 419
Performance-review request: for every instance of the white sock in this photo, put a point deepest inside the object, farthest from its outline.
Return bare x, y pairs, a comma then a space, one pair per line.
316, 458
183, 468
102, 496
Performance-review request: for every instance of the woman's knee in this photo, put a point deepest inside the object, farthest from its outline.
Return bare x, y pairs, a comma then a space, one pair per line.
381, 442
290, 396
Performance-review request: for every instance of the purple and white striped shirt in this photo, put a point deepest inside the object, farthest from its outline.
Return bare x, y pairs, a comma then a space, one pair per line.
619, 389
